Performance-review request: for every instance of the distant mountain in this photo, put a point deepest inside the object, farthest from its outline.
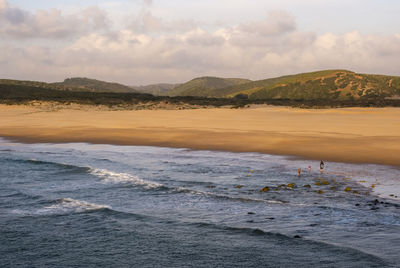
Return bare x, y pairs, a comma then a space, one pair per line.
156, 89
327, 84
25, 83
87, 84
204, 86
297, 91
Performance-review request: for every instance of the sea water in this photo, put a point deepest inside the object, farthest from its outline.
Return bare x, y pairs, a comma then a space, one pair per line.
88, 205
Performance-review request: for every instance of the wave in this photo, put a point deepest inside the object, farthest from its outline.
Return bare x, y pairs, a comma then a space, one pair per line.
61, 206
6, 150
68, 205
115, 177
42, 162
19, 194
227, 197
351, 252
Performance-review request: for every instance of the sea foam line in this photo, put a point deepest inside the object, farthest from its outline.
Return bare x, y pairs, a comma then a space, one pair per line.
68, 204
115, 177
227, 197
63, 206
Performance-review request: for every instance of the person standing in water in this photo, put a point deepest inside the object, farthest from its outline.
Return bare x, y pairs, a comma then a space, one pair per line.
299, 171
309, 169
321, 166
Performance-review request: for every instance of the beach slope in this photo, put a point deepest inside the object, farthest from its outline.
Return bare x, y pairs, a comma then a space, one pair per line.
359, 135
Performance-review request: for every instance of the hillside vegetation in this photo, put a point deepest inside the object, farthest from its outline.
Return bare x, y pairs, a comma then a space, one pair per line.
330, 88
24, 94
204, 86
73, 84
155, 89
329, 85
87, 84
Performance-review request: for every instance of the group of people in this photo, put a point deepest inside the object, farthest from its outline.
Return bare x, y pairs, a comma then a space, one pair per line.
321, 168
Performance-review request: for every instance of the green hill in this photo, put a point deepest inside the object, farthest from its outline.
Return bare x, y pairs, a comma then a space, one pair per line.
25, 83
86, 84
204, 86
156, 89
328, 84
73, 84
23, 92
329, 87
332, 84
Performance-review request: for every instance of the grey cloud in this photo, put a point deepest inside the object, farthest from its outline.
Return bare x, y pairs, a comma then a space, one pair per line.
148, 2
19, 23
146, 22
139, 57
277, 23
275, 32
201, 38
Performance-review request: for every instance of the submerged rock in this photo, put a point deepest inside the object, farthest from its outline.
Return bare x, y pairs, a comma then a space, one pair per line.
291, 185
265, 189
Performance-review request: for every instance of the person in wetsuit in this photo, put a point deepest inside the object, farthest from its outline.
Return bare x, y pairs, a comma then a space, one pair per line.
321, 166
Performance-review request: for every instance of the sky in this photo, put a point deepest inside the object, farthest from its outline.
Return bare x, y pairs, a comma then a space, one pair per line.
141, 42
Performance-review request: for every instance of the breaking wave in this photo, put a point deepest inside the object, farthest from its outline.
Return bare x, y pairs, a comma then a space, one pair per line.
115, 177
68, 205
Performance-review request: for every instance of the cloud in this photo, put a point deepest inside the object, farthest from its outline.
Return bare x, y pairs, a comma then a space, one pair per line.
157, 50
50, 24
146, 22
277, 23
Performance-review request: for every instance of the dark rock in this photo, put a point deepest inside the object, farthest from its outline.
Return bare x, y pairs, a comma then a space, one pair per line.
357, 205
250, 213
297, 236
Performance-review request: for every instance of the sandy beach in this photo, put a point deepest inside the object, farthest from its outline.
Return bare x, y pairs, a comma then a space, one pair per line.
359, 135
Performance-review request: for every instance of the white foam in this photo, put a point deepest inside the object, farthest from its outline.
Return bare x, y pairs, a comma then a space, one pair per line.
383, 181
115, 177
66, 205
62, 206
215, 195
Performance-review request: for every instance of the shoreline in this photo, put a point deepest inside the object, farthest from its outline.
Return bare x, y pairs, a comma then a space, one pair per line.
349, 135
295, 153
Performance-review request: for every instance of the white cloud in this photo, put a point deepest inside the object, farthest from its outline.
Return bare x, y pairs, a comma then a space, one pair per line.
51, 24
277, 23
157, 50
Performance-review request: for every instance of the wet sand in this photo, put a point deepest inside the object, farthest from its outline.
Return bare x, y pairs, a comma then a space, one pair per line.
359, 135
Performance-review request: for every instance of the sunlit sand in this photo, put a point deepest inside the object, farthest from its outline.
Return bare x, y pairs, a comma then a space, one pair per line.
364, 135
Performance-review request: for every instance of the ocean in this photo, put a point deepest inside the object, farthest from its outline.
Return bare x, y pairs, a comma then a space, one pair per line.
87, 205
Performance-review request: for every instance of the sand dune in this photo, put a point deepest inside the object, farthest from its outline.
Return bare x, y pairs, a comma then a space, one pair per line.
370, 135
